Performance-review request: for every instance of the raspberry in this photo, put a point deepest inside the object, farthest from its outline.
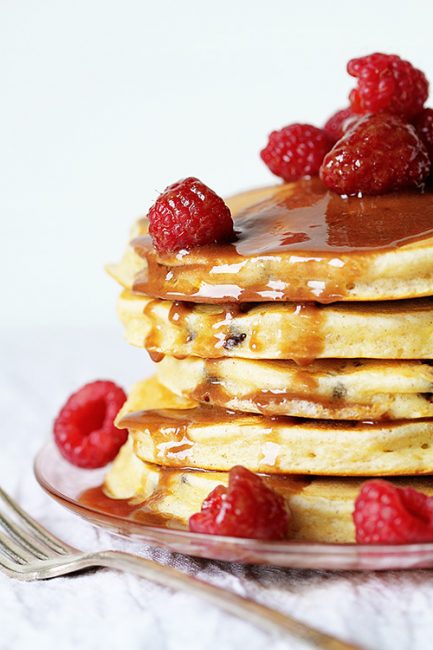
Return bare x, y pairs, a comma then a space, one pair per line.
424, 127
247, 508
189, 214
84, 431
380, 153
338, 123
387, 83
296, 151
385, 514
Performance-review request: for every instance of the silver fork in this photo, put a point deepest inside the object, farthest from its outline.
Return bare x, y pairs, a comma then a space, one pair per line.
30, 552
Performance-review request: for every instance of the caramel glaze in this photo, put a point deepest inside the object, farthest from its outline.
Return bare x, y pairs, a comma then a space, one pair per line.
131, 509
169, 430
96, 499
321, 234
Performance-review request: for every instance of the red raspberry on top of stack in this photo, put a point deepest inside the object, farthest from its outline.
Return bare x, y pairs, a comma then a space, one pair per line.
387, 83
296, 151
379, 154
189, 214
367, 158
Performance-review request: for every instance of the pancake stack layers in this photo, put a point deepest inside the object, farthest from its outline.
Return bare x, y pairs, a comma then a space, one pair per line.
301, 351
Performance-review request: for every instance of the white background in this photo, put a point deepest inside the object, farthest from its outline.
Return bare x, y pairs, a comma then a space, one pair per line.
103, 103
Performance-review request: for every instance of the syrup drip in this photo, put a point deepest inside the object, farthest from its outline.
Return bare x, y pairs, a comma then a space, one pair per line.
156, 356
179, 311
152, 341
168, 430
129, 509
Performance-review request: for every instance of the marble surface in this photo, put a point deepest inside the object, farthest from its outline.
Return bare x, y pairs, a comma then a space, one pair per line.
390, 610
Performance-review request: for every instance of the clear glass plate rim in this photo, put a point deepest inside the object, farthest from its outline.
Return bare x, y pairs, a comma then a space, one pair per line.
259, 546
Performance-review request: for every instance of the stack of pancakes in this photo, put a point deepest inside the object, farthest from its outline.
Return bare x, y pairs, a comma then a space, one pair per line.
300, 351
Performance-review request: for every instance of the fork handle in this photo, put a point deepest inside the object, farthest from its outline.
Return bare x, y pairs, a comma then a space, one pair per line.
249, 610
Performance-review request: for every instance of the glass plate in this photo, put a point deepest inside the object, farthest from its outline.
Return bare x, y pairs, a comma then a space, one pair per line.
65, 483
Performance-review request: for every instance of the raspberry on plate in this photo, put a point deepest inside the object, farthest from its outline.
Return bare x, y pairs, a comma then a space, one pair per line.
84, 430
424, 127
379, 154
385, 514
339, 122
296, 151
387, 83
189, 214
246, 508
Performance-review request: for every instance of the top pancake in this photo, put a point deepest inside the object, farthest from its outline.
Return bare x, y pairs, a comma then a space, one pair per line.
298, 242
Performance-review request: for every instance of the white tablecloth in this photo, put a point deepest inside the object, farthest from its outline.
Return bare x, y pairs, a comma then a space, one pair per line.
105, 609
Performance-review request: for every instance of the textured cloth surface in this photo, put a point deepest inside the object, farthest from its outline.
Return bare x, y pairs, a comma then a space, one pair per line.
105, 609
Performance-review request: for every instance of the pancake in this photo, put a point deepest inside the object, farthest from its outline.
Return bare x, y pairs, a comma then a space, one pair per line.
298, 242
321, 507
299, 331
168, 432
330, 389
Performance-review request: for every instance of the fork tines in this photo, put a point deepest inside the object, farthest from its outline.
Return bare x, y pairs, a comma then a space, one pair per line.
24, 543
